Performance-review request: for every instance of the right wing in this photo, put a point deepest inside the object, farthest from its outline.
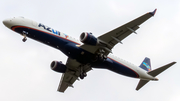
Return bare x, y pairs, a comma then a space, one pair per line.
70, 76
67, 80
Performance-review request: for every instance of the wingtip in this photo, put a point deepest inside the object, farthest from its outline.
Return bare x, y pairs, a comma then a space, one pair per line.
153, 13
174, 63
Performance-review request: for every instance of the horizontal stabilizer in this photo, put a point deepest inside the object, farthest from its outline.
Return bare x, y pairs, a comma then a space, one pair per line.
154, 73
160, 69
141, 84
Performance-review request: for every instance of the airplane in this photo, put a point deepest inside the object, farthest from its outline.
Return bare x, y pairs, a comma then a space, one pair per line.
89, 52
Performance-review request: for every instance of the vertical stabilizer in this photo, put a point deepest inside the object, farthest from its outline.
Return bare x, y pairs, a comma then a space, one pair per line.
146, 64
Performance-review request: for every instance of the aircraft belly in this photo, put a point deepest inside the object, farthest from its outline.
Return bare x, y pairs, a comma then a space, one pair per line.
116, 67
123, 69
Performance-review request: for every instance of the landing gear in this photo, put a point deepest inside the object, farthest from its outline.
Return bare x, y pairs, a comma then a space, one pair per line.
24, 33
83, 75
100, 56
82, 72
24, 39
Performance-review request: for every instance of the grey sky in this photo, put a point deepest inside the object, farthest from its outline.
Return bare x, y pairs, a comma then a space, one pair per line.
25, 72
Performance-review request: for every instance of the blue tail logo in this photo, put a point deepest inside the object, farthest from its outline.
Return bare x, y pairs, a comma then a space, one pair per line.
146, 64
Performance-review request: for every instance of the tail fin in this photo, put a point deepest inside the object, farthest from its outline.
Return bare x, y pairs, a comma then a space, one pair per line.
154, 73
146, 64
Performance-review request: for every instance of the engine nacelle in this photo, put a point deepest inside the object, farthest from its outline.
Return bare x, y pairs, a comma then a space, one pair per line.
88, 38
58, 67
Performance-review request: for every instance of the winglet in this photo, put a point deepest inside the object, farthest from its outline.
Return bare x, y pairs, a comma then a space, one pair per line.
153, 13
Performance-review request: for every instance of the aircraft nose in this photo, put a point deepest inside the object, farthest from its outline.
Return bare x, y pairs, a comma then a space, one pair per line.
7, 22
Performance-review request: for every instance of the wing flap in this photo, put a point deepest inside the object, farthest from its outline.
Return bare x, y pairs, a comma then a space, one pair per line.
126, 33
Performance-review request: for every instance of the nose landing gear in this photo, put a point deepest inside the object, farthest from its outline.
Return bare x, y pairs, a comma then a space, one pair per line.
24, 33
24, 39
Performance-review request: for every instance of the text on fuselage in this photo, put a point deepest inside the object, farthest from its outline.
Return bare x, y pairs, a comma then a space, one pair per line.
49, 29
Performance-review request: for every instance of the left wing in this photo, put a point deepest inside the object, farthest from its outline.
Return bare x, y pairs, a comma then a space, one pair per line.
72, 73
110, 39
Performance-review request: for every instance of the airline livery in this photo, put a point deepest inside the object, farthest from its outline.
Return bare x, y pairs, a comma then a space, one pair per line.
90, 52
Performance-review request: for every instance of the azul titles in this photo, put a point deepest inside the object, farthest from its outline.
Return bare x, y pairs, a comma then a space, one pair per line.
49, 29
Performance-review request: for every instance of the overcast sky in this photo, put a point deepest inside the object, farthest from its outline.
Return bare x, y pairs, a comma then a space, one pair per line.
25, 73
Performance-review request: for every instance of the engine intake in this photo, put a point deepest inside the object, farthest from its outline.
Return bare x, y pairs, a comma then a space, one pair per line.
58, 67
88, 38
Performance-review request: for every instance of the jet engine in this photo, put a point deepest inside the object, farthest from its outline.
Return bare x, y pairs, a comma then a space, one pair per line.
58, 66
88, 38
